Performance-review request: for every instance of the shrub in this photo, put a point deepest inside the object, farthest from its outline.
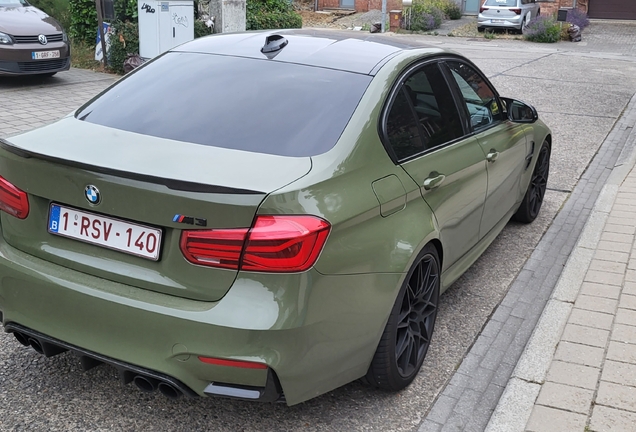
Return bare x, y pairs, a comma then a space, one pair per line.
125, 10
578, 18
83, 25
200, 29
543, 29
58, 9
425, 17
271, 14
452, 10
124, 41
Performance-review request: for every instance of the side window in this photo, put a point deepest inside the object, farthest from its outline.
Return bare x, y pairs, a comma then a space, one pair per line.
423, 114
479, 98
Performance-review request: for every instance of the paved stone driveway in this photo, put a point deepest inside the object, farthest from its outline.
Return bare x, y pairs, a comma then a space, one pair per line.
24, 99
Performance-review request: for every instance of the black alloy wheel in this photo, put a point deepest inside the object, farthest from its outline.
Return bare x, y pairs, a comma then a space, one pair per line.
409, 329
533, 200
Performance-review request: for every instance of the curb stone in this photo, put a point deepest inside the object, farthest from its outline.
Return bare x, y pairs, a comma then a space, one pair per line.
535, 361
463, 405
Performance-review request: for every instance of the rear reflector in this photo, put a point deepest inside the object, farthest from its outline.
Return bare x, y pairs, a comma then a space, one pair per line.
233, 363
214, 248
13, 200
281, 244
516, 11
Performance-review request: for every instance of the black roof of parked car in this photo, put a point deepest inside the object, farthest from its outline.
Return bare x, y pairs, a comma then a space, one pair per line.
349, 51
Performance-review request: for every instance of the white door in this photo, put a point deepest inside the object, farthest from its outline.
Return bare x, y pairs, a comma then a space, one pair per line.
472, 6
347, 4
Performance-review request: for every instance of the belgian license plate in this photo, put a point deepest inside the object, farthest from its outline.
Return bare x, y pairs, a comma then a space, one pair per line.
496, 21
106, 232
41, 55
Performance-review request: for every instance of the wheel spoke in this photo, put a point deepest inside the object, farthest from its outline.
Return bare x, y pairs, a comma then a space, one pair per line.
416, 318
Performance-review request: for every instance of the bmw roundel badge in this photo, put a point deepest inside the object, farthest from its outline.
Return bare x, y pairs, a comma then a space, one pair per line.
92, 194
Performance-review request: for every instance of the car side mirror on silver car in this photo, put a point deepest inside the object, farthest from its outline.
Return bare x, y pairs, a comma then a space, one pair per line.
520, 112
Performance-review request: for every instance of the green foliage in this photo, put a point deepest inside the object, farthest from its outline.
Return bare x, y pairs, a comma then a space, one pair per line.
271, 14
124, 41
125, 37
200, 29
58, 9
125, 10
83, 56
450, 8
83, 20
543, 29
425, 16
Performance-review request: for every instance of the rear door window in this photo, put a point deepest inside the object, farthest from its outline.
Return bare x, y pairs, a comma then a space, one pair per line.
422, 115
259, 106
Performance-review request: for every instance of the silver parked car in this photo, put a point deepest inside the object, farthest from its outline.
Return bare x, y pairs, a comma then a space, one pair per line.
513, 14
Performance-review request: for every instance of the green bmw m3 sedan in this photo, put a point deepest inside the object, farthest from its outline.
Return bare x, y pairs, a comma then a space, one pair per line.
264, 216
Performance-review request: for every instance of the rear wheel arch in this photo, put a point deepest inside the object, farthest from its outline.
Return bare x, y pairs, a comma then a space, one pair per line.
440, 250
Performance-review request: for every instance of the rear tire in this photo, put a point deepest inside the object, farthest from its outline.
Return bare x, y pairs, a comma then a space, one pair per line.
480, 29
408, 332
533, 199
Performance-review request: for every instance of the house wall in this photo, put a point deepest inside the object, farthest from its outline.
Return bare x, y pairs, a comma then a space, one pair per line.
367, 5
550, 7
362, 5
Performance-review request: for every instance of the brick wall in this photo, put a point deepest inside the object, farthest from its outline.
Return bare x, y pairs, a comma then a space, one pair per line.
362, 5
550, 7
328, 4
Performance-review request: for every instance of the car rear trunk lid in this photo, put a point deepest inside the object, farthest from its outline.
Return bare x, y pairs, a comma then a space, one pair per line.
148, 181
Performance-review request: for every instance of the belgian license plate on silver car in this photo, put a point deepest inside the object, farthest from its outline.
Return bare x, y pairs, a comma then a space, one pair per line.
41, 55
106, 232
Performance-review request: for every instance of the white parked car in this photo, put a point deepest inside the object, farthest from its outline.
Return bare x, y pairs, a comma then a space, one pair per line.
513, 14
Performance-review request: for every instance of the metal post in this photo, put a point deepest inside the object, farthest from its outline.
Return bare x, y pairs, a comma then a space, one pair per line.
383, 23
100, 23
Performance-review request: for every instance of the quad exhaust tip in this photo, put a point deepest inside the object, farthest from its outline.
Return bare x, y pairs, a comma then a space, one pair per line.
144, 383
146, 380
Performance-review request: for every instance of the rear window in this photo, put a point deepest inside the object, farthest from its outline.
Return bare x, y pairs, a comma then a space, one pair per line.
260, 106
510, 3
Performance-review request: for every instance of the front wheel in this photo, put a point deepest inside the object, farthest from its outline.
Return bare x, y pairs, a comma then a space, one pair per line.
533, 199
408, 332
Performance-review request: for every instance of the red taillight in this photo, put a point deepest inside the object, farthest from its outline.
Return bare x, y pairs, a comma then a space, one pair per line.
214, 248
516, 11
233, 363
482, 9
13, 200
281, 244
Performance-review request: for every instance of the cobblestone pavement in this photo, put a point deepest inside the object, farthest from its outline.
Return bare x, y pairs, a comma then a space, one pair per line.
30, 102
578, 369
609, 37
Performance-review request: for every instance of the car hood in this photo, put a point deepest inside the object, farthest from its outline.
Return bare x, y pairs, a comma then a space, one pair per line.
27, 21
113, 150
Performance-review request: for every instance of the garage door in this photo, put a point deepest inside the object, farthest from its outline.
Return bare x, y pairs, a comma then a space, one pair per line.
612, 9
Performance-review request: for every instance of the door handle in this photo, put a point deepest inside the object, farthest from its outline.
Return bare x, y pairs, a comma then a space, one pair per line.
433, 182
492, 156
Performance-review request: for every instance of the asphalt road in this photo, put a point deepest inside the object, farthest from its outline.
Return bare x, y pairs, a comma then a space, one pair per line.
578, 94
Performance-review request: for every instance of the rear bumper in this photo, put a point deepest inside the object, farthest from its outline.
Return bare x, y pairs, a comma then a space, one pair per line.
315, 334
509, 22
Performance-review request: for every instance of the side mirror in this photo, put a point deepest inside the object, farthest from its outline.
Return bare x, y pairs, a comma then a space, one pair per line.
520, 112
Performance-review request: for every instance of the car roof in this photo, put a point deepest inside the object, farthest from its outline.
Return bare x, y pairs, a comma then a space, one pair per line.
343, 50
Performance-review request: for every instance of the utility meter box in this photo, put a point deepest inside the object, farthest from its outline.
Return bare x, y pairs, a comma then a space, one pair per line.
164, 25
